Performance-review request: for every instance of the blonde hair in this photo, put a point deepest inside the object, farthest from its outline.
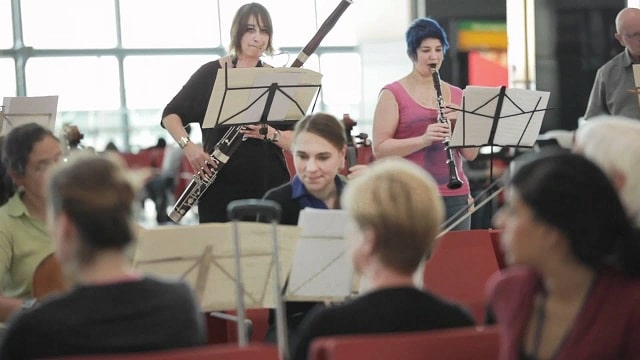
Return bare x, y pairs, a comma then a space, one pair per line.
400, 203
612, 143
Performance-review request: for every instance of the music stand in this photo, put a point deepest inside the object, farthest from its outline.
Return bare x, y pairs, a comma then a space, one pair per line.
21, 110
321, 268
275, 95
636, 80
499, 116
203, 256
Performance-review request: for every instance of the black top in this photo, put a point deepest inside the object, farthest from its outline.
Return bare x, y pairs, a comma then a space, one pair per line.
382, 311
131, 316
254, 168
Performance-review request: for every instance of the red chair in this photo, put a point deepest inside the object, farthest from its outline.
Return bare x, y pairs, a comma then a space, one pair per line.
259, 321
495, 239
450, 344
211, 352
459, 268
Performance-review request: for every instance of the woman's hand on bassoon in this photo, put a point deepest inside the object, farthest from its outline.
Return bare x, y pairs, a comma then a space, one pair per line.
200, 161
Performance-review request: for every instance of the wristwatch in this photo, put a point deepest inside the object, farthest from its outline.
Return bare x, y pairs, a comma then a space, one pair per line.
276, 136
29, 303
183, 141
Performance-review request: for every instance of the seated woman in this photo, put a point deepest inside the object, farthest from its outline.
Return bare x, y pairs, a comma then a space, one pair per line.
573, 290
27, 153
111, 308
396, 212
319, 148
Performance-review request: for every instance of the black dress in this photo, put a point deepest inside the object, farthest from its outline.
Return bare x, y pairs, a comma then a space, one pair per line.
254, 168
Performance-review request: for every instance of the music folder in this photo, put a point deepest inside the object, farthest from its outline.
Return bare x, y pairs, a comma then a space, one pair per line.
22, 110
499, 116
636, 80
322, 269
203, 256
248, 95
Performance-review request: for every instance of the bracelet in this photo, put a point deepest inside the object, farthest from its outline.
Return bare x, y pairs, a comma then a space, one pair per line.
183, 141
276, 136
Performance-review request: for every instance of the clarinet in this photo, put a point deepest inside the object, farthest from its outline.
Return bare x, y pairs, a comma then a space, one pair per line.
454, 179
233, 138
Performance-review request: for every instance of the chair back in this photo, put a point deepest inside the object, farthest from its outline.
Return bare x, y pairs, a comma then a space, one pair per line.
470, 343
459, 268
209, 352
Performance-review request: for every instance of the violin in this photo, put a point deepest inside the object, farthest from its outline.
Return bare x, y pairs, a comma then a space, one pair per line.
70, 138
48, 278
352, 151
353, 156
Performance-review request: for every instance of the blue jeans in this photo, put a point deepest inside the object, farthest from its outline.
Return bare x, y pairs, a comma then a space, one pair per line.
453, 205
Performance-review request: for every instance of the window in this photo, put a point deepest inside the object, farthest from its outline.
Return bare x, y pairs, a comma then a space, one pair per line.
169, 24
90, 99
71, 24
92, 86
115, 68
8, 76
6, 40
341, 84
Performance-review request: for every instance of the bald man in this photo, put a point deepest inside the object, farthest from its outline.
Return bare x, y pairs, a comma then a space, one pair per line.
610, 93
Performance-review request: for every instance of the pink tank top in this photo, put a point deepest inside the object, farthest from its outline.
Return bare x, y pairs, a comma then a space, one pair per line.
413, 121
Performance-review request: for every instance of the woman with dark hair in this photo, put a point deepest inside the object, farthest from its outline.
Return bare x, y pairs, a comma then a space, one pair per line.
111, 308
6, 185
257, 165
405, 121
573, 290
27, 153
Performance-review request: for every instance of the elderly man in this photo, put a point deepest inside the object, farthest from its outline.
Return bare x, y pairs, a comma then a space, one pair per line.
612, 143
610, 93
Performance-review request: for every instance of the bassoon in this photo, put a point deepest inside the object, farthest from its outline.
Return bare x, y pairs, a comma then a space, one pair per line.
232, 139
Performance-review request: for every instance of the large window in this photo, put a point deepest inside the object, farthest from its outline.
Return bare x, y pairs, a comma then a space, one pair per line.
116, 63
7, 77
6, 40
169, 23
70, 24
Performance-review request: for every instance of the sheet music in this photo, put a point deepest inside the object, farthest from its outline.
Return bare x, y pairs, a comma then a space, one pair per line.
321, 268
519, 122
203, 256
636, 79
235, 105
27, 109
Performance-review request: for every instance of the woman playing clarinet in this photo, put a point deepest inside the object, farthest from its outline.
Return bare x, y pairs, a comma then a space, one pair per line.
407, 120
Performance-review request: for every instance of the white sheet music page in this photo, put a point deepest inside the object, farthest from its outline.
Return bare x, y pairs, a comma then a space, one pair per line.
519, 123
21, 110
636, 80
321, 268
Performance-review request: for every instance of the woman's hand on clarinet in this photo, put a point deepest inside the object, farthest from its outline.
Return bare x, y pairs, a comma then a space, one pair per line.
436, 132
450, 111
200, 161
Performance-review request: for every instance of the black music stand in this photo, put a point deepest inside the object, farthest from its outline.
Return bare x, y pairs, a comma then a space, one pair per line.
499, 116
272, 95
